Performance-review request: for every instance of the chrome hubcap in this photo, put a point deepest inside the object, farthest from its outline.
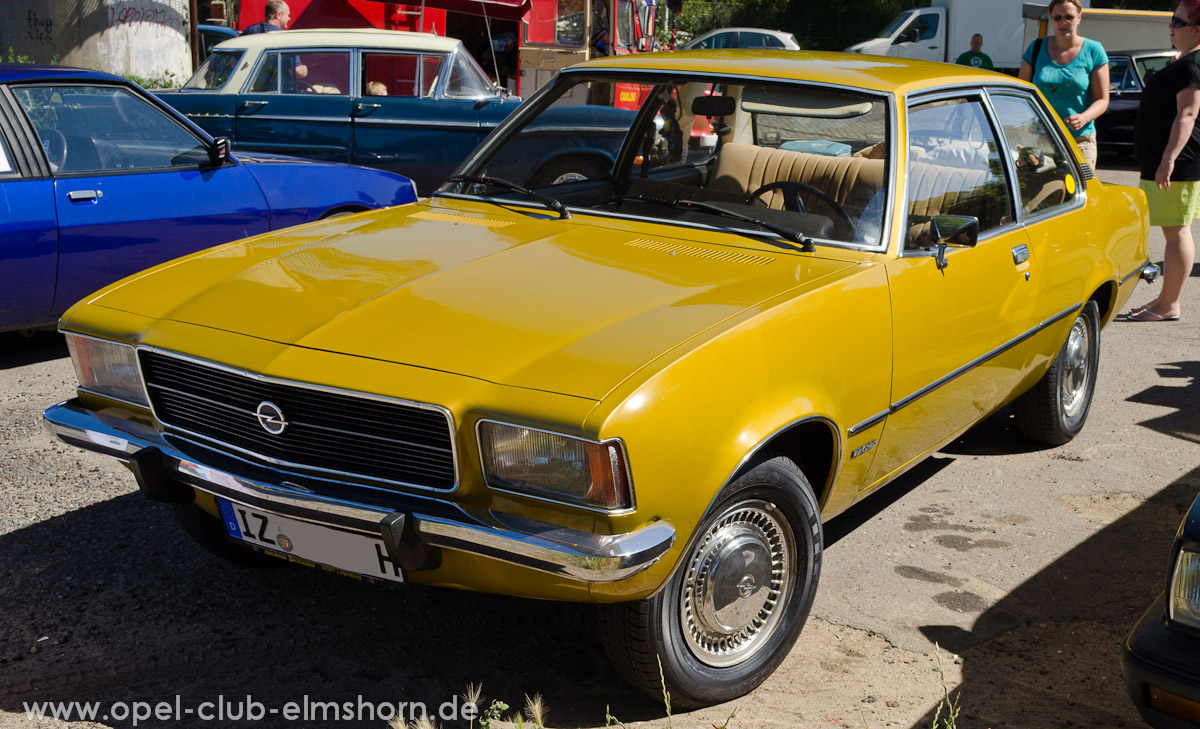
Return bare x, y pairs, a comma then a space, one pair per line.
1076, 374
738, 581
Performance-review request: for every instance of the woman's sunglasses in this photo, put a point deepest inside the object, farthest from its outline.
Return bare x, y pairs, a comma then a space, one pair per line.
1178, 22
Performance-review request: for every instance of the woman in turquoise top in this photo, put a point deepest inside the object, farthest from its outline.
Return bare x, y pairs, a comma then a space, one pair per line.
1072, 73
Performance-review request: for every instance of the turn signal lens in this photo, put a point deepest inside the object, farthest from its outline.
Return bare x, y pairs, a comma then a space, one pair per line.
1184, 604
107, 368
554, 466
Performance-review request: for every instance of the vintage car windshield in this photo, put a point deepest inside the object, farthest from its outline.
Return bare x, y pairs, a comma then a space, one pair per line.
799, 156
214, 73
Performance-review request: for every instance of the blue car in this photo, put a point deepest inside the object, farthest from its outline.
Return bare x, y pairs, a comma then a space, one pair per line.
1161, 656
99, 180
412, 103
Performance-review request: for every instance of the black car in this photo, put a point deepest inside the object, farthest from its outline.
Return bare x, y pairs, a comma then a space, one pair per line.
1128, 72
1161, 655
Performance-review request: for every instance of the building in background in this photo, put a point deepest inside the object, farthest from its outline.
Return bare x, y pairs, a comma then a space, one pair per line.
147, 38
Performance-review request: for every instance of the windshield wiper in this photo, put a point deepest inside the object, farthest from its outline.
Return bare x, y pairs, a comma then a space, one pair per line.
555, 205
807, 245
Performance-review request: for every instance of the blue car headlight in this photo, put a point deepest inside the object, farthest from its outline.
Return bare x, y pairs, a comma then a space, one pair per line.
554, 466
1183, 603
107, 368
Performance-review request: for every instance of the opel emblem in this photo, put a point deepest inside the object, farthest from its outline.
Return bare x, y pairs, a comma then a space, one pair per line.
270, 417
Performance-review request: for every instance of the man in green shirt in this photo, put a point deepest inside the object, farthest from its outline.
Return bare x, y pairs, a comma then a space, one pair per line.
976, 57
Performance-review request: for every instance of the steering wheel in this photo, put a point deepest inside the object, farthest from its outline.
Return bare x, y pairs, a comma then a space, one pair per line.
308, 88
792, 201
55, 145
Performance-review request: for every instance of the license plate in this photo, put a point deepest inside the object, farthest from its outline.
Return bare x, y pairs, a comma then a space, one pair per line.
301, 541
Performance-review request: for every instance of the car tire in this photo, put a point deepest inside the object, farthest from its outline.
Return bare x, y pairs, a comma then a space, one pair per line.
568, 169
208, 531
1054, 410
722, 624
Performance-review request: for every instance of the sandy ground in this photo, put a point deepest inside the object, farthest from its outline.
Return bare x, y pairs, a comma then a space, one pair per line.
1026, 565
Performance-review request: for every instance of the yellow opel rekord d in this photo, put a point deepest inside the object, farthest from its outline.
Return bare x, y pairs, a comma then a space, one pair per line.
677, 311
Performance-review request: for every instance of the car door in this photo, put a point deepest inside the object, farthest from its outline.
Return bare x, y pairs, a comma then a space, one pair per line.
1125, 94
133, 187
421, 114
298, 103
28, 230
921, 38
955, 320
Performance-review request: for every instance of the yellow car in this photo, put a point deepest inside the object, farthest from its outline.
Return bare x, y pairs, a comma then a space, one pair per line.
770, 287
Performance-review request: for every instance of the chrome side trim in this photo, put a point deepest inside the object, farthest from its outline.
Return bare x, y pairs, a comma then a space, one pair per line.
360, 120
571, 553
1143, 269
210, 116
450, 424
910, 399
274, 117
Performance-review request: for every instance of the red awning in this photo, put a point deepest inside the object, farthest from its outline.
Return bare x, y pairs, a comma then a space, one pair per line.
499, 9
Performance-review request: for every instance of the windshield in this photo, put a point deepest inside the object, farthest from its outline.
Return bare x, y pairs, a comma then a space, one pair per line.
893, 26
798, 156
215, 72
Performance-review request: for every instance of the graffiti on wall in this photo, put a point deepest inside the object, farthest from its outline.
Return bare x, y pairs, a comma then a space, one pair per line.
150, 16
40, 30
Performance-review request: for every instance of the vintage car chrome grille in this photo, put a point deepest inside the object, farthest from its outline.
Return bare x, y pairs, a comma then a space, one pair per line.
326, 430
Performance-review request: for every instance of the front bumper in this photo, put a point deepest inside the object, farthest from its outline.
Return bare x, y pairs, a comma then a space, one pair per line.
1162, 671
413, 528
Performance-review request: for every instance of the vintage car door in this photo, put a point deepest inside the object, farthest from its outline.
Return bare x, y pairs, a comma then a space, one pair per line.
28, 235
956, 321
298, 103
420, 114
133, 187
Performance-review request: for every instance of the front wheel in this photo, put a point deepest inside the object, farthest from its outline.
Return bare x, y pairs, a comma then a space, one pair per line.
735, 605
1054, 410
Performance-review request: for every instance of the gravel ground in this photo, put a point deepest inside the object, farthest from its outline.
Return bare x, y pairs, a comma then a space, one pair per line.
1026, 565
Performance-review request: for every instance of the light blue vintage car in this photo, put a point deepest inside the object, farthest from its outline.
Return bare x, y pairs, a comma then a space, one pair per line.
413, 103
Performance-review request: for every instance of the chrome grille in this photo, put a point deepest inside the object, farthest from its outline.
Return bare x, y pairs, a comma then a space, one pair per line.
327, 430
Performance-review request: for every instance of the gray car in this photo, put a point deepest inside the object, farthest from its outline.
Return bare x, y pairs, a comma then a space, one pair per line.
744, 38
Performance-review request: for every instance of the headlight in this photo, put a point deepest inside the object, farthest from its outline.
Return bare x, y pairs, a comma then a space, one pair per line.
107, 368
553, 466
1183, 606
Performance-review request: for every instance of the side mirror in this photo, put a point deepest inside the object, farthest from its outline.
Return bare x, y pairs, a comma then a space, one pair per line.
218, 151
960, 231
909, 35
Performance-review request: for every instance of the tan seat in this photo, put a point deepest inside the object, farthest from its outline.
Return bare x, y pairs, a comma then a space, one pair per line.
743, 168
943, 190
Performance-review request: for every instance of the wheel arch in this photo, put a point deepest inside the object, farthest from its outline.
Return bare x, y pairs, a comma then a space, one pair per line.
1105, 298
812, 443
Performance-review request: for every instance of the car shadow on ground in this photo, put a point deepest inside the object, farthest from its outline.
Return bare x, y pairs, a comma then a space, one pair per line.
17, 350
111, 602
1031, 659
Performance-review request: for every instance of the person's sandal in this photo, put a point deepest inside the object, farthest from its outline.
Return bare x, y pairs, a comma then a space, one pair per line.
1149, 315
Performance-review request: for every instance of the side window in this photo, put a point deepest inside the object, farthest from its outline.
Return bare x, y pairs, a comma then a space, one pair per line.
391, 74
215, 72
926, 26
323, 72
266, 79
752, 40
431, 71
625, 36
954, 168
1045, 174
6, 165
1120, 75
569, 23
466, 78
100, 128
724, 40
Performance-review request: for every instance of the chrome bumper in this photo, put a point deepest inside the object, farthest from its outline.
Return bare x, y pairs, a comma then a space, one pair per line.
412, 527
1149, 272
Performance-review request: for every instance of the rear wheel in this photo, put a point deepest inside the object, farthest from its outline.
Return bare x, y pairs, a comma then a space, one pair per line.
1055, 409
735, 605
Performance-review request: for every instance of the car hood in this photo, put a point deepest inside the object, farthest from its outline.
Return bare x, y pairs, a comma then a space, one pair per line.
572, 307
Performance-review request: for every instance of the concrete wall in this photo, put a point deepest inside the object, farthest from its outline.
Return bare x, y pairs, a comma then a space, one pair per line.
146, 38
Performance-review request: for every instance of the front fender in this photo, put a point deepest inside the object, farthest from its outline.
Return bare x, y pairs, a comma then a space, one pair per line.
293, 199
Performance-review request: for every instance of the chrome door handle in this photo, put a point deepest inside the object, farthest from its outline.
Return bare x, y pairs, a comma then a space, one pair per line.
253, 102
84, 195
365, 107
1020, 254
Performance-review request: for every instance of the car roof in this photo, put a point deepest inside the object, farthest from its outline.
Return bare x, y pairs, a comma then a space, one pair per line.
343, 37
877, 73
37, 72
1145, 52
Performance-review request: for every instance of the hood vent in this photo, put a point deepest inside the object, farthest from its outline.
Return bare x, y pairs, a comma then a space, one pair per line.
465, 219
675, 249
